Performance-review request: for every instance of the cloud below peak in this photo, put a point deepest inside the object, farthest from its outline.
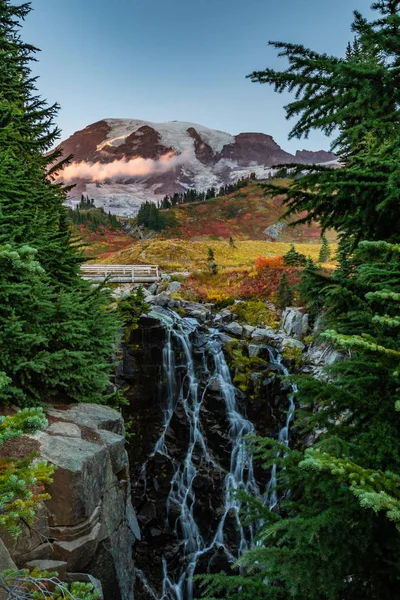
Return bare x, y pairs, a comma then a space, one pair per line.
122, 168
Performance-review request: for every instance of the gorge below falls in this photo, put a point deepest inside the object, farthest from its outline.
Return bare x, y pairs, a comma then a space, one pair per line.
188, 453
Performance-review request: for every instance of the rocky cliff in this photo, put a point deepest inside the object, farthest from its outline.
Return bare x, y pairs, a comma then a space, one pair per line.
87, 529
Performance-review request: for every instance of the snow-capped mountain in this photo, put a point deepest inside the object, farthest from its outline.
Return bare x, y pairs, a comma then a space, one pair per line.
123, 162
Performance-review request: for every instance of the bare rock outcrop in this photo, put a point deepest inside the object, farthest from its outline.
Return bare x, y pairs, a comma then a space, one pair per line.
88, 527
295, 322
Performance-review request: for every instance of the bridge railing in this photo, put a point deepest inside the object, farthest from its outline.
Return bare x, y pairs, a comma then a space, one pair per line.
121, 273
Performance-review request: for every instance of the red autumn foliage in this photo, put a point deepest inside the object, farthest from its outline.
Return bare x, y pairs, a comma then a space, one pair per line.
266, 282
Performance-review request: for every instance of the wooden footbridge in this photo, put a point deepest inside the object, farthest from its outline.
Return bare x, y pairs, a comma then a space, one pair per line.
121, 273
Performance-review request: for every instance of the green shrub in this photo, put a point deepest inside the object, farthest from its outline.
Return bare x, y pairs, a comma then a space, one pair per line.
244, 368
293, 353
131, 308
36, 585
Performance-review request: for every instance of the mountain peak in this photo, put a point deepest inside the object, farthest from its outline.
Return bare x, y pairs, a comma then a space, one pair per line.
123, 162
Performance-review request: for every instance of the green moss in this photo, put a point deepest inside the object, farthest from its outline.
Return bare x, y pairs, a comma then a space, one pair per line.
244, 367
255, 313
294, 353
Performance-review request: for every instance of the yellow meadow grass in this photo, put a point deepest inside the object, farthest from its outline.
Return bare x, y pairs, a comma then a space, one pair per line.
183, 255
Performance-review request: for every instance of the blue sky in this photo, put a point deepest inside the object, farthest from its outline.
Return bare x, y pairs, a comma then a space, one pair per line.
183, 59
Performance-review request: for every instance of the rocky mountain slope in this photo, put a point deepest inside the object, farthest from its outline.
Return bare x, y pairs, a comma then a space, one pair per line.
123, 162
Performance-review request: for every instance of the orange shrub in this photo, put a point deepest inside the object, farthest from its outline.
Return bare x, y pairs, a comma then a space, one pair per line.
263, 262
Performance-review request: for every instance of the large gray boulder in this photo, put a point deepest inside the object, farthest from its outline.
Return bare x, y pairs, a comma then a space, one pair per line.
254, 350
174, 287
267, 335
196, 311
234, 328
318, 356
295, 323
292, 343
161, 299
248, 330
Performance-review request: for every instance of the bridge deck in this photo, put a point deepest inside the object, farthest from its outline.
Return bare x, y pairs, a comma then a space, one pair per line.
121, 273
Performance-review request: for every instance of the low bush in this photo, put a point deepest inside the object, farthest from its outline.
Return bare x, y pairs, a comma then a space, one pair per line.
268, 262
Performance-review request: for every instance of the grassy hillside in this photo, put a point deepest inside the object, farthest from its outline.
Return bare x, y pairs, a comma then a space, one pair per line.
233, 228
242, 215
185, 255
101, 232
103, 243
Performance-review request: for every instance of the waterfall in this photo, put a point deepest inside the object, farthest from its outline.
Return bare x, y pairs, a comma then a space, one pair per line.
187, 382
283, 437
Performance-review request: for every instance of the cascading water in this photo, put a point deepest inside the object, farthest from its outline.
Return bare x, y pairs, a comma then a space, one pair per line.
283, 436
189, 373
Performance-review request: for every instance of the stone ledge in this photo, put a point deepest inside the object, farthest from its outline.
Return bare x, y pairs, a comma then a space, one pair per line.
95, 416
78, 553
74, 532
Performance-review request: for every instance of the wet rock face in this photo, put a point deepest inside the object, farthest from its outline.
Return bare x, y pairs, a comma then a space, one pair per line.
154, 465
140, 373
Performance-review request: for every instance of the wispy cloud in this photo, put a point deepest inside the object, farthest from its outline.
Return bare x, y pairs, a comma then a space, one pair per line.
119, 169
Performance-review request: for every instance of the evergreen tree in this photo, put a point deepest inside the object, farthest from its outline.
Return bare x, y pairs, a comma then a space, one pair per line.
341, 522
325, 252
293, 258
131, 308
285, 296
56, 335
56, 343
151, 217
212, 266
336, 535
358, 97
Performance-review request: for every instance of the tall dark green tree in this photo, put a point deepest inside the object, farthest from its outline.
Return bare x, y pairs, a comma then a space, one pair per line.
285, 295
325, 252
355, 98
294, 259
56, 332
212, 265
150, 216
